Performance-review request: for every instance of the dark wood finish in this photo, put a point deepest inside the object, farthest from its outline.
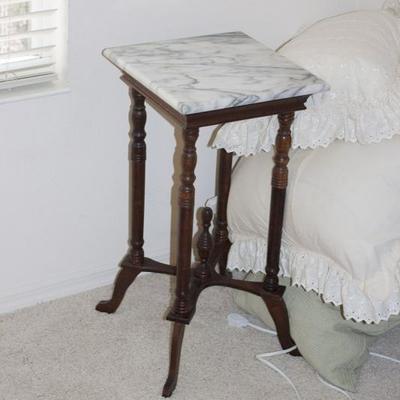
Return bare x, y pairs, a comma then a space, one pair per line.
250, 111
278, 193
134, 260
124, 279
221, 229
212, 251
280, 174
137, 158
205, 245
185, 230
181, 308
175, 358
277, 308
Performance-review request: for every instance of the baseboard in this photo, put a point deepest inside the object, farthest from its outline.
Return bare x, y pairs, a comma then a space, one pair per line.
36, 294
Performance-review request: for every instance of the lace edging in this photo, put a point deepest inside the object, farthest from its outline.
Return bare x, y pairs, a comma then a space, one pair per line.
315, 272
329, 116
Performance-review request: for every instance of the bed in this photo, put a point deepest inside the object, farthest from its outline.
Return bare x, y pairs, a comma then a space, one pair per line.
340, 254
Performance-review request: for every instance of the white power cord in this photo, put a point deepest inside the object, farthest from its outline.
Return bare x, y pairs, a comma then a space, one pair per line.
212, 203
261, 357
239, 321
385, 357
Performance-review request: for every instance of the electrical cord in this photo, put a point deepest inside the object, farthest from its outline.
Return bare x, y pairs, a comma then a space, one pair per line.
212, 203
385, 357
240, 321
261, 358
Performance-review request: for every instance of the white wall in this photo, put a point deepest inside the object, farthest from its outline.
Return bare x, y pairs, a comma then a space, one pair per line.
63, 159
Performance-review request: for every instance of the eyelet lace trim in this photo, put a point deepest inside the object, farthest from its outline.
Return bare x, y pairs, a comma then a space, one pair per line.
329, 116
316, 272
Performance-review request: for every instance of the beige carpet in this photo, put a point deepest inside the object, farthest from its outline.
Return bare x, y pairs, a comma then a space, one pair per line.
64, 350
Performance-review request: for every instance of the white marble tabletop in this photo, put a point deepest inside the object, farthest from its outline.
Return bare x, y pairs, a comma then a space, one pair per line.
213, 72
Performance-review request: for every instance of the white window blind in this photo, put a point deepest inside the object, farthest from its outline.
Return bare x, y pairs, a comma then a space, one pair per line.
31, 41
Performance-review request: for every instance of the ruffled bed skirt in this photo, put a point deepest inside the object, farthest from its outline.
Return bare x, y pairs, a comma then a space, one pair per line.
316, 272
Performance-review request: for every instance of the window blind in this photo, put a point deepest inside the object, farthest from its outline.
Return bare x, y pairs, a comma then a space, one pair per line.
29, 41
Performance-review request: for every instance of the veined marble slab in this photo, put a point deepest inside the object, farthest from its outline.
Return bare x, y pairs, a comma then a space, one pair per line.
213, 72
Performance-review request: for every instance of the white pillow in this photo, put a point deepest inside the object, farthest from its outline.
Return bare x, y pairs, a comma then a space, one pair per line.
342, 224
358, 55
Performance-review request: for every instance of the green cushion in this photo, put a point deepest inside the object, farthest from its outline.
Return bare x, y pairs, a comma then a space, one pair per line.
335, 347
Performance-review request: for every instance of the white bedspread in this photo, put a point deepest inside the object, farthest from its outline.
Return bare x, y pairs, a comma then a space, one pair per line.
342, 224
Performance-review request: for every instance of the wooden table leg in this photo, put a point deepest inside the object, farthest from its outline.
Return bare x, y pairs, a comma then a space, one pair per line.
181, 309
132, 263
205, 241
224, 185
273, 292
175, 358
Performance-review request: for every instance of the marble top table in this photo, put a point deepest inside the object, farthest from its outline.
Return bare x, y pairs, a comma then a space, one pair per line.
197, 82
213, 72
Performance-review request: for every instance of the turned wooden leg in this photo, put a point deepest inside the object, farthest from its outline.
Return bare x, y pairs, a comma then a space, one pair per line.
204, 245
132, 263
181, 310
185, 229
273, 292
224, 185
175, 357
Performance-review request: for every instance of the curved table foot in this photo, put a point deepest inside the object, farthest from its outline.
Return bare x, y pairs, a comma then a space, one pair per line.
169, 387
175, 357
124, 279
277, 308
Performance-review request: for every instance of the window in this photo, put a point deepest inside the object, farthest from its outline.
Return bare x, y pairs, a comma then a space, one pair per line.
32, 42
